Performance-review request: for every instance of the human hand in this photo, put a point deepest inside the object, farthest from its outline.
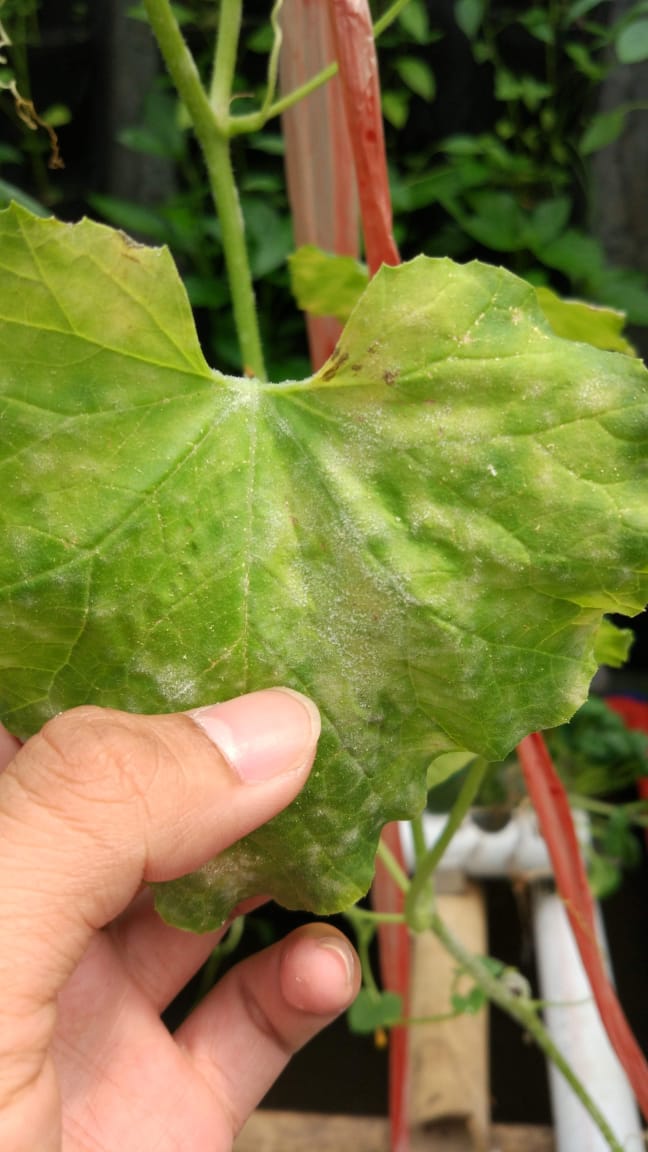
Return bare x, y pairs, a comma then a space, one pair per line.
92, 807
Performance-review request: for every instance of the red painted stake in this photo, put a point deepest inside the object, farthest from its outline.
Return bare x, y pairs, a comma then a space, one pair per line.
556, 824
355, 51
394, 944
319, 163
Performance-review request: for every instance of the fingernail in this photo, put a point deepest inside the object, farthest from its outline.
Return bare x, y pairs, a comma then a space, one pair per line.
343, 950
263, 734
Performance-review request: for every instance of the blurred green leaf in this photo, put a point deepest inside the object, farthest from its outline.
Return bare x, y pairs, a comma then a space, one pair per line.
270, 235
9, 193
326, 285
207, 292
135, 219
611, 644
625, 289
632, 42
57, 115
580, 8
538, 25
469, 15
9, 154
591, 323
372, 1010
595, 753
417, 75
603, 129
395, 106
577, 255
585, 62
603, 874
510, 87
415, 21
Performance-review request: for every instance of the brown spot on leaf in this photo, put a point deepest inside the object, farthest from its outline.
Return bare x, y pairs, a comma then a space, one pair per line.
338, 358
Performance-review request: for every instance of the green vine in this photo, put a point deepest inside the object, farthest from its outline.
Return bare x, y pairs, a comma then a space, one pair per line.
210, 119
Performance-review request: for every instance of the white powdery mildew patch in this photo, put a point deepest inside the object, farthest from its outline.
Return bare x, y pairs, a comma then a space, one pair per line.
172, 682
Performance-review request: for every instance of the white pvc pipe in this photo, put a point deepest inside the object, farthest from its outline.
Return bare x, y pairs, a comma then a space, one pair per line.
574, 1023
572, 1018
516, 849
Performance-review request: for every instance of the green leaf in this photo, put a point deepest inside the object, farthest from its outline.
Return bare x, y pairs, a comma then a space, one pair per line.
9, 192
632, 42
395, 106
537, 23
270, 235
577, 255
612, 645
603, 129
580, 8
469, 1003
414, 19
132, 217
625, 289
372, 1010
526, 88
596, 753
585, 62
423, 535
604, 876
469, 15
417, 76
326, 285
576, 320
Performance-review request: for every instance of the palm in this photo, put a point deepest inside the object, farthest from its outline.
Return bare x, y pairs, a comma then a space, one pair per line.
126, 1083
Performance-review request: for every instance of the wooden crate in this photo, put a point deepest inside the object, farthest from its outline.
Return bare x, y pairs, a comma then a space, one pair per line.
449, 1096
268, 1131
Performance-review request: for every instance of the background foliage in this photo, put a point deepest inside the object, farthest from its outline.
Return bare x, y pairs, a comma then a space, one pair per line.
492, 115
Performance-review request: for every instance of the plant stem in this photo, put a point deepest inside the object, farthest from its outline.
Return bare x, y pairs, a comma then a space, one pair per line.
273, 58
229, 30
418, 901
210, 119
393, 867
525, 1013
357, 915
635, 812
255, 121
418, 837
225, 193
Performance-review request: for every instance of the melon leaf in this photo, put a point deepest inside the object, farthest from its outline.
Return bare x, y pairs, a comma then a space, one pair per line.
423, 536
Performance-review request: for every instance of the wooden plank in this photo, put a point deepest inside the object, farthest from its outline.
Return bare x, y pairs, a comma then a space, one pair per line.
268, 1131
449, 1088
313, 1132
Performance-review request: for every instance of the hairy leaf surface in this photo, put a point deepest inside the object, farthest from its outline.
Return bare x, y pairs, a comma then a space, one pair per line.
423, 536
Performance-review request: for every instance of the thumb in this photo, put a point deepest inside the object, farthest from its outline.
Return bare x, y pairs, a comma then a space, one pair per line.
100, 801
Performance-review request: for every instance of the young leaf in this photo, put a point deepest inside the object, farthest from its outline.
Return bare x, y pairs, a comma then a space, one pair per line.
326, 285
576, 320
423, 536
372, 1010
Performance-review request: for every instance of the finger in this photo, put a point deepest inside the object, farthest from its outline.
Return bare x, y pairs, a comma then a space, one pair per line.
102, 800
246, 1030
158, 958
